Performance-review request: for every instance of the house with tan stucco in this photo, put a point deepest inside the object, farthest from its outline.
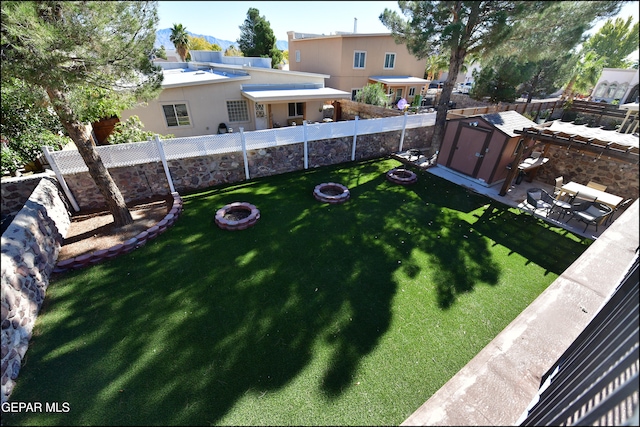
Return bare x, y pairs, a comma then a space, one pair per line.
353, 60
214, 93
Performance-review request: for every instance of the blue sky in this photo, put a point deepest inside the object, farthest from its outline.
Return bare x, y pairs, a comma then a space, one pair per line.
222, 19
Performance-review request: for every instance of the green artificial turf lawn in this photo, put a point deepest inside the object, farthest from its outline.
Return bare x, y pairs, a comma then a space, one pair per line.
349, 314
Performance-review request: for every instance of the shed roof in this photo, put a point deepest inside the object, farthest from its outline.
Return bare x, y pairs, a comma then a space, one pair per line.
508, 121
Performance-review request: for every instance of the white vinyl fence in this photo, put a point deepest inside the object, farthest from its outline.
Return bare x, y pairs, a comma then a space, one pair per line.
70, 161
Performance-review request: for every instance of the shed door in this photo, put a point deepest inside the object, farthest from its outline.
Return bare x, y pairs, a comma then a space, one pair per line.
469, 150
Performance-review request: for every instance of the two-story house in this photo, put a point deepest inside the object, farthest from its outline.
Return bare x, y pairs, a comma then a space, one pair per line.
354, 60
215, 93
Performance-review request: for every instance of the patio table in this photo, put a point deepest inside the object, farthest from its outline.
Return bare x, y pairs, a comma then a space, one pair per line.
608, 199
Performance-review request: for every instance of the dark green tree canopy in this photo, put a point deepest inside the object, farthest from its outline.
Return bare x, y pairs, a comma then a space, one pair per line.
257, 38
559, 28
91, 58
79, 44
456, 28
614, 42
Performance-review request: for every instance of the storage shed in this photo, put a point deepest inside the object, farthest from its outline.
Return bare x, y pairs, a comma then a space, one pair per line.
483, 146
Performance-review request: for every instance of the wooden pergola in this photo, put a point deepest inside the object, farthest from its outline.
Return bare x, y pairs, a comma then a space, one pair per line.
594, 142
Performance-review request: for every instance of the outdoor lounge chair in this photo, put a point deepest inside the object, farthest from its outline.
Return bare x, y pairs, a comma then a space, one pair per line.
535, 199
590, 213
562, 206
621, 207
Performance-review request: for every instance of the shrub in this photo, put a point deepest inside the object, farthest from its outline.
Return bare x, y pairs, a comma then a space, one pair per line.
373, 94
131, 131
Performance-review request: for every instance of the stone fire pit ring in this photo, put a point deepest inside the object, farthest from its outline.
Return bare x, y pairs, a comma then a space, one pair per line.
402, 176
331, 192
237, 216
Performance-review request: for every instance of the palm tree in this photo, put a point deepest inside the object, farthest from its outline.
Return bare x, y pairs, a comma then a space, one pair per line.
585, 75
180, 39
436, 64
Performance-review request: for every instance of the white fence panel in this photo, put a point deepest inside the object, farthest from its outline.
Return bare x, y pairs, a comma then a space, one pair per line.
118, 155
330, 130
274, 137
421, 120
386, 124
70, 161
195, 146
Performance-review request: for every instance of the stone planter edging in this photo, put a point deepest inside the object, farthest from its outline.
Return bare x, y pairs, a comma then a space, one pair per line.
402, 176
126, 247
342, 197
242, 224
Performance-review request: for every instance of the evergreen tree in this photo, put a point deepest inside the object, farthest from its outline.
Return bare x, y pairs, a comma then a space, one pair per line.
257, 38
458, 28
614, 42
90, 58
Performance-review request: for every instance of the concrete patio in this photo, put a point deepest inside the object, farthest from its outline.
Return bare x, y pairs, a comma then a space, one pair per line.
515, 197
497, 386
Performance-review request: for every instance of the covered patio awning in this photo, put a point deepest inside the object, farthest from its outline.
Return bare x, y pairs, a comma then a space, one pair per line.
399, 80
609, 143
296, 95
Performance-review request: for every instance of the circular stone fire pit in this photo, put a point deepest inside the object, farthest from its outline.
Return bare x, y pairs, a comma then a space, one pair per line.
237, 216
331, 192
402, 176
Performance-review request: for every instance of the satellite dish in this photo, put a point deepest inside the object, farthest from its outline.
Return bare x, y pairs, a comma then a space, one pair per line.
402, 103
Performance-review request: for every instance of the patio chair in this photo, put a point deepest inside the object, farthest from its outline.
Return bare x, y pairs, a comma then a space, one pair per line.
621, 207
557, 189
535, 199
590, 213
562, 206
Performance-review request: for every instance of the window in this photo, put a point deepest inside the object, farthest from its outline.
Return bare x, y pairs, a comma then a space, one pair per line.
238, 111
359, 59
260, 111
622, 89
611, 92
354, 93
296, 109
176, 115
412, 91
600, 91
399, 93
297, 56
389, 60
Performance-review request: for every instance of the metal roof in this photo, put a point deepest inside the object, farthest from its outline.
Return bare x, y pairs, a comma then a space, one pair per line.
182, 77
399, 80
508, 121
295, 94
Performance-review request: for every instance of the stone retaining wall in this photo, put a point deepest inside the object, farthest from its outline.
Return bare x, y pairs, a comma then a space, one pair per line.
146, 181
620, 178
30, 248
17, 190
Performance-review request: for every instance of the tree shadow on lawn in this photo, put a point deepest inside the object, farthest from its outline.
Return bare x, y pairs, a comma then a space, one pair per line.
179, 331
532, 238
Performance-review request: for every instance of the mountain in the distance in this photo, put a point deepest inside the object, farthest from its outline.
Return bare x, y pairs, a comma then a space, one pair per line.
162, 39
